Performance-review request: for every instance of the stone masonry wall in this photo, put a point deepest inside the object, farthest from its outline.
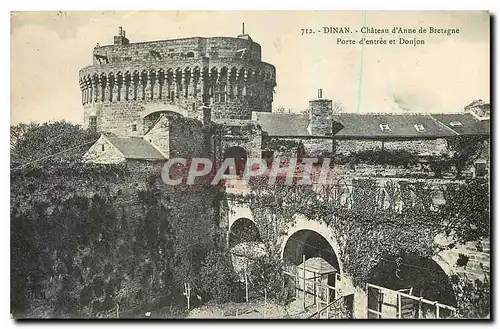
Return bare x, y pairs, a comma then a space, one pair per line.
319, 115
346, 147
103, 152
217, 47
248, 137
471, 259
187, 138
159, 136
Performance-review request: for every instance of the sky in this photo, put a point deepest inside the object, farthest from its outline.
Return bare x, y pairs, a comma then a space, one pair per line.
445, 74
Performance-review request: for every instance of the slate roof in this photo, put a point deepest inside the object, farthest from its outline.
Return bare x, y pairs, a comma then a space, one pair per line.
357, 126
283, 124
401, 126
470, 125
477, 103
136, 148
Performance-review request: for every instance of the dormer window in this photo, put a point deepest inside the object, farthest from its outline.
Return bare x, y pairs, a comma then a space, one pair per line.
419, 127
455, 124
384, 127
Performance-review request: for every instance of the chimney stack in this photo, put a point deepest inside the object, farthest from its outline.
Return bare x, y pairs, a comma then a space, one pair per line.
120, 39
319, 116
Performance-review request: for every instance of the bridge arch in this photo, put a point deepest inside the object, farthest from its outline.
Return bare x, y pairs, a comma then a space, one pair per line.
424, 276
147, 111
313, 239
243, 230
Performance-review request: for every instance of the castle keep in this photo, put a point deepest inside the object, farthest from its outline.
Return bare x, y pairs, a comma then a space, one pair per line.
128, 83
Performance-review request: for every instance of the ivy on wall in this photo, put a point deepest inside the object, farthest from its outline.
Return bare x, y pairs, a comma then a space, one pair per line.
372, 222
93, 240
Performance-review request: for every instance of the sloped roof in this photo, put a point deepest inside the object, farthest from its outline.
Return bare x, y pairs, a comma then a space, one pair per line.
283, 124
470, 125
477, 103
318, 264
135, 148
354, 125
400, 125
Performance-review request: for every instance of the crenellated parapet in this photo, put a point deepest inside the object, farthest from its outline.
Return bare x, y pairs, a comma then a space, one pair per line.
224, 73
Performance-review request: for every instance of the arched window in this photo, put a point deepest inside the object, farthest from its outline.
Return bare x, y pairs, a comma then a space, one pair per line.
240, 158
189, 54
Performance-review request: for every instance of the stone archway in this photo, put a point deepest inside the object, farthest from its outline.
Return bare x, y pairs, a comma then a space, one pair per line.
310, 244
239, 155
301, 223
313, 241
412, 275
149, 109
150, 117
243, 230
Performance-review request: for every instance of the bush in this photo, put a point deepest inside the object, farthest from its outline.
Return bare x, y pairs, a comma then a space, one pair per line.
379, 157
266, 276
217, 279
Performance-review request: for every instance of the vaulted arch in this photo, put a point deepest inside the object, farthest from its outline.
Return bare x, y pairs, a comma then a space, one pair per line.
417, 276
243, 230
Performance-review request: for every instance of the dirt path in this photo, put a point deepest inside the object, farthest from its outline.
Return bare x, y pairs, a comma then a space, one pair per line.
254, 309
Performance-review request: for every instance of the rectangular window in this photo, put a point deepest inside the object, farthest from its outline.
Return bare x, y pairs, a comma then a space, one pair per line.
384, 127
134, 127
93, 122
419, 127
102, 147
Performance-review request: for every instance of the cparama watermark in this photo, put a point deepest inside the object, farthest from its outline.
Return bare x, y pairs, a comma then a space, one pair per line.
289, 170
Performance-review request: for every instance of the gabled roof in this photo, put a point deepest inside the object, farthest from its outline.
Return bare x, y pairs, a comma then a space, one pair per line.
135, 148
477, 103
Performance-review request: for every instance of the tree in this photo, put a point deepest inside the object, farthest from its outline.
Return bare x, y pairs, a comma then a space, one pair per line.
281, 109
473, 298
337, 107
59, 140
266, 276
218, 280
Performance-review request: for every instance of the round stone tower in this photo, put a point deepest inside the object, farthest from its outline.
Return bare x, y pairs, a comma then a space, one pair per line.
131, 83
320, 111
